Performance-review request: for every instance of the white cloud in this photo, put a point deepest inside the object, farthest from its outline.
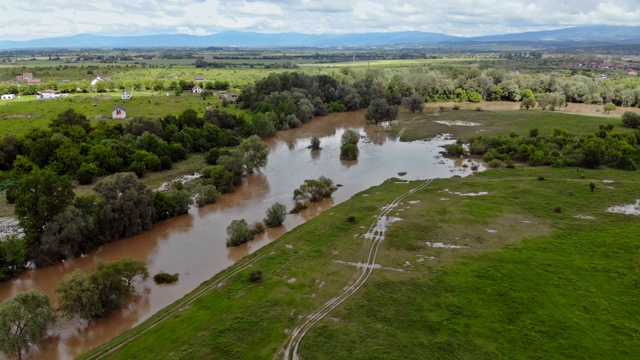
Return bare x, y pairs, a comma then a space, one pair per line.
31, 19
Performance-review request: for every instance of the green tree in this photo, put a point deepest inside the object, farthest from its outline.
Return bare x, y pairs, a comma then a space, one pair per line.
39, 197
349, 152
127, 207
24, 320
238, 232
350, 136
528, 102
630, 120
71, 117
275, 215
414, 103
379, 110
609, 107
254, 153
103, 291
13, 256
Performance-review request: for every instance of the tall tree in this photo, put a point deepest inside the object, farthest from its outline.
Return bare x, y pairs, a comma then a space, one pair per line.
39, 197
414, 103
23, 321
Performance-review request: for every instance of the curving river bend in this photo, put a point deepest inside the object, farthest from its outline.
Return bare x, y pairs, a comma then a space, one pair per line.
193, 245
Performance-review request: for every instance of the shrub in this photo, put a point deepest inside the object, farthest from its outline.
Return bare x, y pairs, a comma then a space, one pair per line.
87, 173
540, 178
315, 143
207, 194
351, 219
349, 152
275, 215
557, 210
238, 232
350, 136
211, 157
165, 278
592, 186
257, 228
336, 106
454, 150
495, 163
630, 120
255, 276
456, 107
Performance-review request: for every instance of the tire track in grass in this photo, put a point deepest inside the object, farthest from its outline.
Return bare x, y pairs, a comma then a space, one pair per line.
376, 233
187, 300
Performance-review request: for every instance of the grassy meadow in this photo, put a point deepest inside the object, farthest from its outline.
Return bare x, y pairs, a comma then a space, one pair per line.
542, 271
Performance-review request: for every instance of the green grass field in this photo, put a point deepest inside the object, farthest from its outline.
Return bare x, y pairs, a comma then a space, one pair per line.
532, 281
423, 125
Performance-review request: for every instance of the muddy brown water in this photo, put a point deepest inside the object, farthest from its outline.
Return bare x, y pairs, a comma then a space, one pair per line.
193, 245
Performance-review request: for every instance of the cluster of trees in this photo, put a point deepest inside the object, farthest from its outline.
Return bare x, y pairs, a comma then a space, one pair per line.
560, 149
291, 99
45, 162
24, 318
72, 147
95, 295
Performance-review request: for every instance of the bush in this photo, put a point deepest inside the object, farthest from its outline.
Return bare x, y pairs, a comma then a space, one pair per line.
315, 143
211, 157
87, 173
349, 152
275, 215
238, 232
456, 107
454, 150
557, 210
630, 120
336, 106
257, 228
495, 163
255, 276
207, 194
165, 278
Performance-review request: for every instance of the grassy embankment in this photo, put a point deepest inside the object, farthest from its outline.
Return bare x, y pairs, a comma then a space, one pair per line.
534, 281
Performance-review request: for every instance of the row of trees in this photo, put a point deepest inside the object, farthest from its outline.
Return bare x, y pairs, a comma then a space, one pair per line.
560, 149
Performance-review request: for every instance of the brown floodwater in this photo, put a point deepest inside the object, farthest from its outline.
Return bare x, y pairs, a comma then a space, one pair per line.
193, 245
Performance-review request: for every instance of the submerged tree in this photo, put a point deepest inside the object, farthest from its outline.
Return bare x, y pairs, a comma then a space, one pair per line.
23, 321
275, 215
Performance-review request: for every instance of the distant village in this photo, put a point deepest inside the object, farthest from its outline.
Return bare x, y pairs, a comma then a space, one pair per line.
119, 112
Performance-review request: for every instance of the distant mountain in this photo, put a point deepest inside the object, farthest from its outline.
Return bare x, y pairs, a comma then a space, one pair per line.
581, 35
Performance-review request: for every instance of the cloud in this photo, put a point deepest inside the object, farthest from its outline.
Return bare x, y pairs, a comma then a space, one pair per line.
44, 18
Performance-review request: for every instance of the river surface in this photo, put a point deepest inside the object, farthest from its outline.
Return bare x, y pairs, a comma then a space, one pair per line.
193, 245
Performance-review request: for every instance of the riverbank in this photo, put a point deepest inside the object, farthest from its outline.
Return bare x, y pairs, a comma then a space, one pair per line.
499, 264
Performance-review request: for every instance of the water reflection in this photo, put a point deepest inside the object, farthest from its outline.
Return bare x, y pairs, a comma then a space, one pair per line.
194, 245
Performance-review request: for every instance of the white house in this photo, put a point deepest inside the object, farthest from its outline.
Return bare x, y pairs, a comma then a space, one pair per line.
196, 90
8, 97
125, 95
47, 94
119, 113
97, 79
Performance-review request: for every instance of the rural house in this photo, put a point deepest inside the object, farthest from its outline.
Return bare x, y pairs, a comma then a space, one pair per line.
199, 78
24, 77
119, 112
8, 97
34, 81
97, 79
196, 90
125, 95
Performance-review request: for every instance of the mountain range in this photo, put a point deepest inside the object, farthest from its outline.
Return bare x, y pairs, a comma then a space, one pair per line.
597, 34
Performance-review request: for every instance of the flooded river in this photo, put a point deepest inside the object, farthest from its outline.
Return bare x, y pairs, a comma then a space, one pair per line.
193, 245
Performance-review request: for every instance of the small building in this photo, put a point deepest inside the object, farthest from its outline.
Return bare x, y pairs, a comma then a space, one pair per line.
119, 113
47, 94
24, 77
34, 81
8, 97
199, 78
97, 79
125, 95
196, 90
633, 73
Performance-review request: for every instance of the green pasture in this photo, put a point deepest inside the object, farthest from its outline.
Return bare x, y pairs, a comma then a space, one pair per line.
545, 272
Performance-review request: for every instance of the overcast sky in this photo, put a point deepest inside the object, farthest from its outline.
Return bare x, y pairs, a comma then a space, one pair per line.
31, 19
